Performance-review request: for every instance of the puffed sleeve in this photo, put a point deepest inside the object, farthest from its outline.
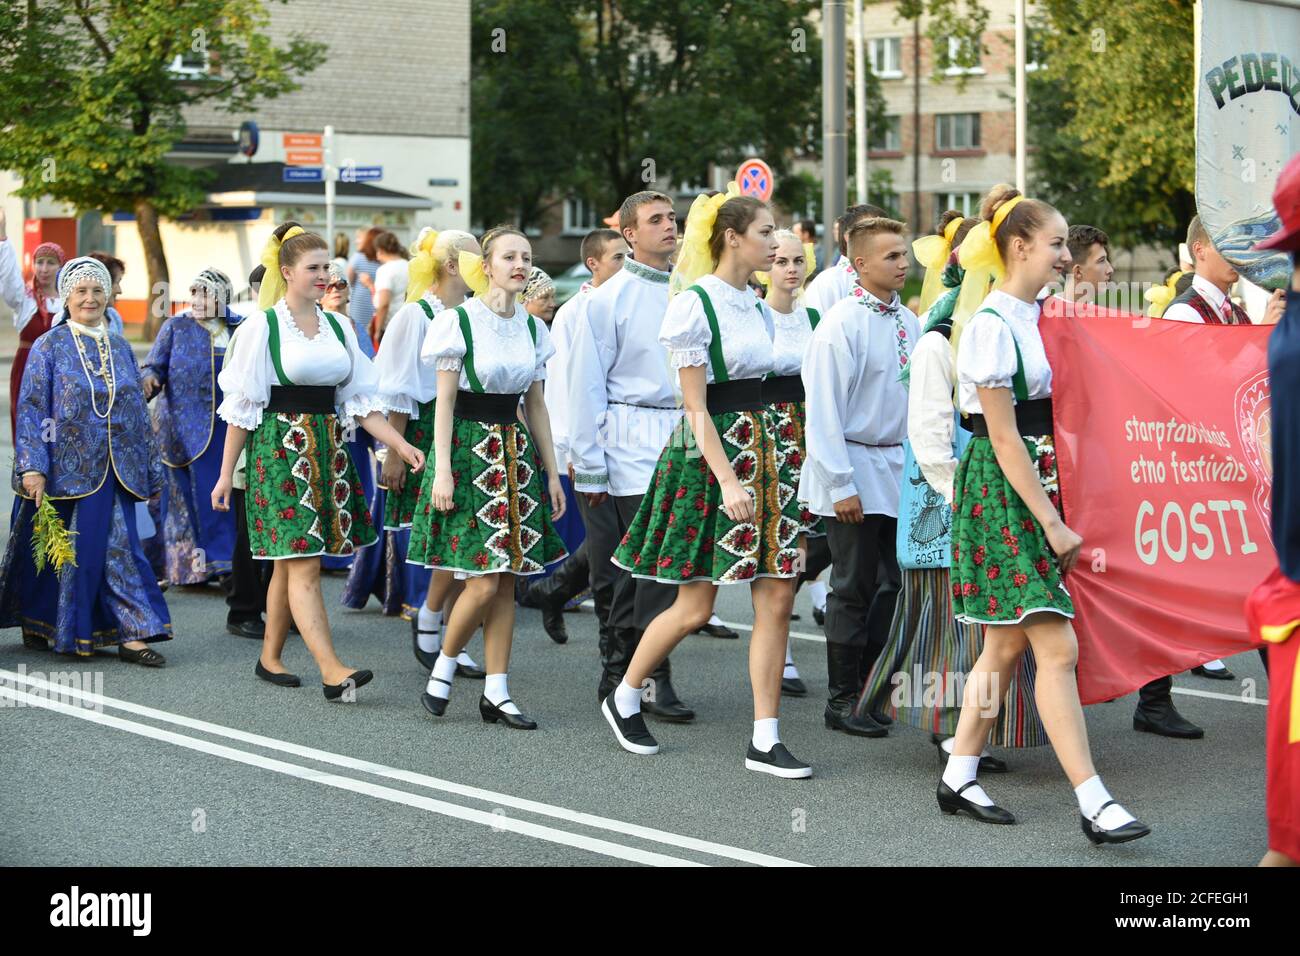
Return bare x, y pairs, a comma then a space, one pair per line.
245, 378
986, 357
544, 349
685, 331
358, 394
397, 363
444, 346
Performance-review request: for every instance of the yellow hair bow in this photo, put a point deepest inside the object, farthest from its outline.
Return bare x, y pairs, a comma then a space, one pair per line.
1161, 295
422, 273
273, 285
980, 258
933, 253
471, 270
695, 260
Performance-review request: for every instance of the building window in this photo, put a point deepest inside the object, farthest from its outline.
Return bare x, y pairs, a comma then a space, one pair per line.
885, 54
885, 137
953, 131
579, 217
190, 64
968, 204
963, 50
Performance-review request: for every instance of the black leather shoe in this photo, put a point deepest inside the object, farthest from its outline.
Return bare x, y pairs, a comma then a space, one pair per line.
882, 718
718, 630
793, 687
1133, 830
1221, 674
473, 673
353, 680
253, 630
35, 642
146, 657
492, 713
426, 658
631, 731
856, 725
434, 705
951, 802
279, 680
553, 623
778, 761
988, 762
819, 615
1167, 722
666, 705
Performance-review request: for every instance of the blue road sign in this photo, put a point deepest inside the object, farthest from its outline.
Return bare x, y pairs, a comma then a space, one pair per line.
303, 174
361, 174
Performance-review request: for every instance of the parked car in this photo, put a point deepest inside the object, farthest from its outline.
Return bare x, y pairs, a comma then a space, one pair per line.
568, 282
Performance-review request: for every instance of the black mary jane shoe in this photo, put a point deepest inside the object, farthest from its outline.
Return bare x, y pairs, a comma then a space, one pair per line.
279, 680
793, 687
471, 671
146, 657
492, 713
988, 762
1222, 673
1133, 830
951, 801
354, 680
435, 705
426, 658
718, 630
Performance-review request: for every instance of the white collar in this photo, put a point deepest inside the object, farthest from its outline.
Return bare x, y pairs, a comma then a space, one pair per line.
98, 331
1209, 292
1008, 305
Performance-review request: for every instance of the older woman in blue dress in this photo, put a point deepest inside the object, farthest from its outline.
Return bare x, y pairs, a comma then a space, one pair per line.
182, 371
84, 442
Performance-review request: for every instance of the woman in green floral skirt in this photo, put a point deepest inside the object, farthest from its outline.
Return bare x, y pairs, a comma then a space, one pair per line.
1010, 547
295, 383
482, 511
721, 510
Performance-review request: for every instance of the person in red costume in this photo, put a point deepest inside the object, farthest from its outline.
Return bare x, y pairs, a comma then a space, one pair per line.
34, 304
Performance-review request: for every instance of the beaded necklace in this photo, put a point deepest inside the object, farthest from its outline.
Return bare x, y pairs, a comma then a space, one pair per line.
105, 364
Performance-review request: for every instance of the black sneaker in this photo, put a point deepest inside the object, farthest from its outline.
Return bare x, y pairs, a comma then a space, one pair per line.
630, 731
778, 761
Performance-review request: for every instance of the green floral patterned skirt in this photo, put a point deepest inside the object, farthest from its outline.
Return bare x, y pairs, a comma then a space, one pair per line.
399, 506
791, 450
1003, 568
501, 516
680, 533
304, 497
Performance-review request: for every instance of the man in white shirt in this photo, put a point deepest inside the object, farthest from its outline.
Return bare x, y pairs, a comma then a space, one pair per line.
623, 407
856, 423
836, 280
603, 252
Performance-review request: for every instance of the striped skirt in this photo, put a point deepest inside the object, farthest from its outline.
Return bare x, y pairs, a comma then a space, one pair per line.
920, 676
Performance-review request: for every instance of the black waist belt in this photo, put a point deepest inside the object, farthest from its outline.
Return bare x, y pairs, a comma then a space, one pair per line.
302, 399
1032, 418
738, 395
493, 408
783, 388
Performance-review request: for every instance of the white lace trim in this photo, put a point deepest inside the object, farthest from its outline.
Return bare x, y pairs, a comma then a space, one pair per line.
240, 412
402, 404
448, 363
688, 358
286, 318
359, 406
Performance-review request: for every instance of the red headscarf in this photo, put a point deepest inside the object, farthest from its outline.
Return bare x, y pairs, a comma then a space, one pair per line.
44, 249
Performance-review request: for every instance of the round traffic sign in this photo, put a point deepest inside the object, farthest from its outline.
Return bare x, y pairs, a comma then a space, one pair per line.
754, 177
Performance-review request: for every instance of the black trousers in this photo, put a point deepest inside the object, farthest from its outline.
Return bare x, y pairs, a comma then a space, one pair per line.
649, 598
602, 538
865, 581
249, 579
818, 560
633, 603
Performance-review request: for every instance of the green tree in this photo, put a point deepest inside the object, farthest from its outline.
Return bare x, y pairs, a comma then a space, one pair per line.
1111, 121
603, 98
90, 105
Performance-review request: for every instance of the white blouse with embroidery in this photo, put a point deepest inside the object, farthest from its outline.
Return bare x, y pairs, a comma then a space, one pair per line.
986, 354
249, 374
792, 333
15, 293
404, 381
506, 361
744, 323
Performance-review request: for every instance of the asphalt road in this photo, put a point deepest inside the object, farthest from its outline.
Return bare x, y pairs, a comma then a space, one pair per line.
200, 763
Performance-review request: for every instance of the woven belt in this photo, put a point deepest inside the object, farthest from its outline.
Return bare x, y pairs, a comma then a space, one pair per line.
738, 395
493, 408
302, 399
783, 388
1032, 418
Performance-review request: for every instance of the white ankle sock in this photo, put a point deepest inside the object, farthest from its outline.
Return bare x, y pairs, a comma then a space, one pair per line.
1092, 793
946, 746
791, 672
463, 658
494, 689
817, 591
961, 771
627, 699
1215, 665
444, 669
714, 620
765, 735
429, 621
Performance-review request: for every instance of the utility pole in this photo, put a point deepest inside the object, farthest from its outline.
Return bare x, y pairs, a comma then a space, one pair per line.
859, 105
834, 136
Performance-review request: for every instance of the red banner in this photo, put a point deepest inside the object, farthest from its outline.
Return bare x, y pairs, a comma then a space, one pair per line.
1162, 440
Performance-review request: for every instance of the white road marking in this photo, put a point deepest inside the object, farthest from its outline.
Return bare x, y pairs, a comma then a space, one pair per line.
664, 837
